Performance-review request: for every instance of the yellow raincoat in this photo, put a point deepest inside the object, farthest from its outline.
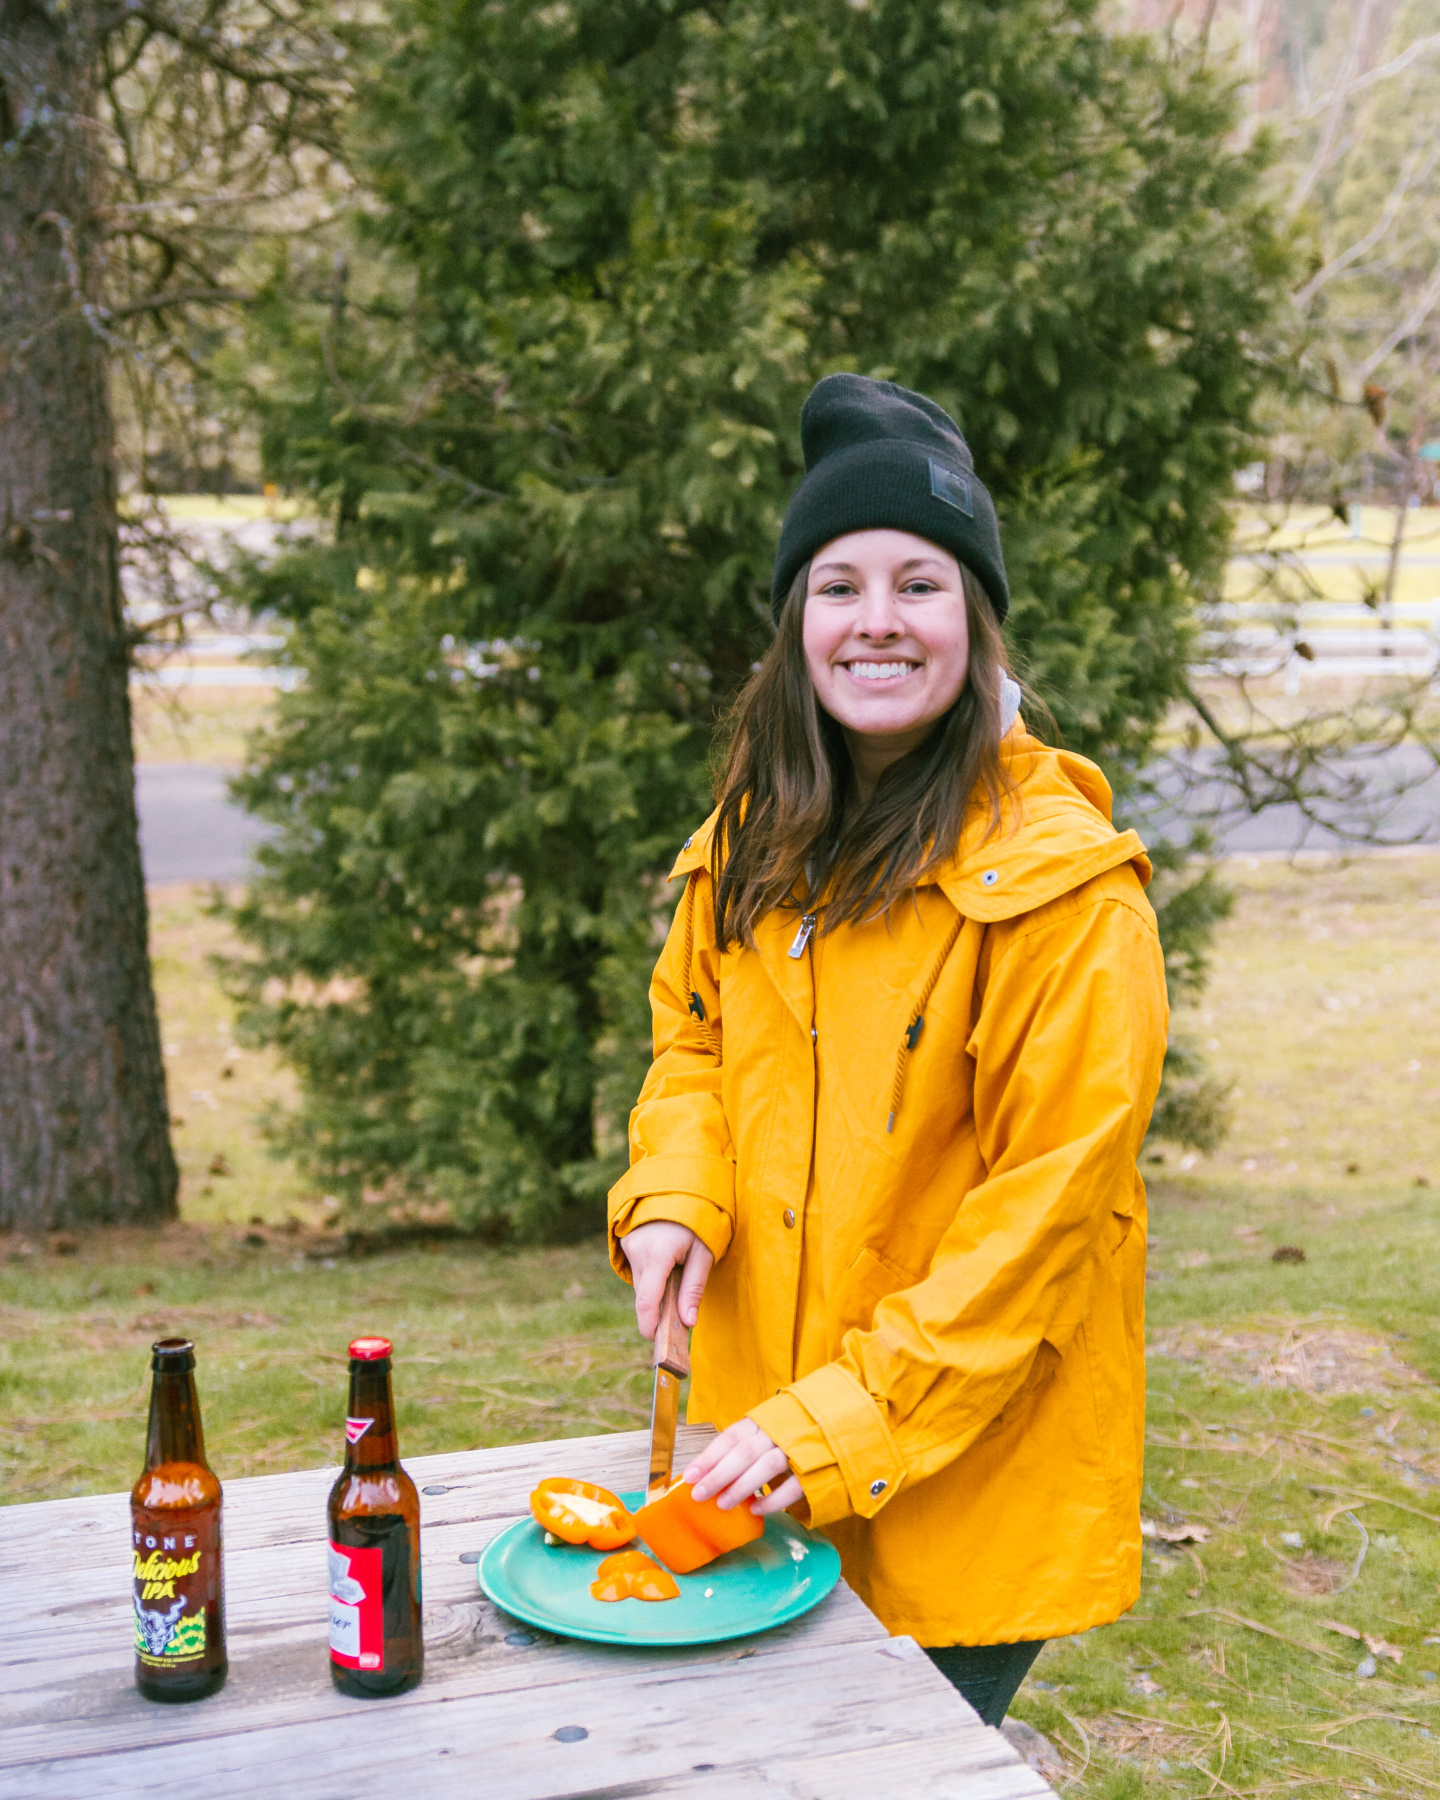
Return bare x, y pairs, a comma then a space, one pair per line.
911, 1146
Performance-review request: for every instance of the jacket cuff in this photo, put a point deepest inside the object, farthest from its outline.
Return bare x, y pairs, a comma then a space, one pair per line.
703, 1217
712, 1178
811, 1459
867, 1467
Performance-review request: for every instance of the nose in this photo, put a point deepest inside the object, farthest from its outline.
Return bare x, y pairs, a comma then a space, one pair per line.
879, 620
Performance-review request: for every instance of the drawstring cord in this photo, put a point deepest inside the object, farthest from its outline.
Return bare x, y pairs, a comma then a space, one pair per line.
917, 1024
697, 1005
912, 1030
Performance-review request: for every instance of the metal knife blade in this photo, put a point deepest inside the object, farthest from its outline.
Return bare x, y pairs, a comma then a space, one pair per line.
671, 1362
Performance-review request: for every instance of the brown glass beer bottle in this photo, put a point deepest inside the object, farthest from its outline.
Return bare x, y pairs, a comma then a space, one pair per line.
175, 1520
375, 1637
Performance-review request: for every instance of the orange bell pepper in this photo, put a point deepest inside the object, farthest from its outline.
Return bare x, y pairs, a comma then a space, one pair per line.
581, 1513
686, 1534
630, 1576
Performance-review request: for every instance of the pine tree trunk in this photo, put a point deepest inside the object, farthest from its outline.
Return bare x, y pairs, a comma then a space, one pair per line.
84, 1123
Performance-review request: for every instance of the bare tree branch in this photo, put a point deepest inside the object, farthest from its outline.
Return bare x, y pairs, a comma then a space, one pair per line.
1362, 246
1336, 102
1420, 310
1412, 53
306, 83
191, 296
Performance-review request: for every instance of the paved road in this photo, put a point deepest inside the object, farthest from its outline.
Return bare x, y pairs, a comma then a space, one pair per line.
1395, 793
190, 830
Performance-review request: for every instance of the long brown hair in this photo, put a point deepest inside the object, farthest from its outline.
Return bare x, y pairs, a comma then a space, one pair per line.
784, 835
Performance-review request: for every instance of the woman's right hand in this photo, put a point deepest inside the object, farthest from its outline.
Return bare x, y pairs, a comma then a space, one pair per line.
652, 1251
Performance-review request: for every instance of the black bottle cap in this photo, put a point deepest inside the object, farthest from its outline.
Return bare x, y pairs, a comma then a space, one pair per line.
172, 1356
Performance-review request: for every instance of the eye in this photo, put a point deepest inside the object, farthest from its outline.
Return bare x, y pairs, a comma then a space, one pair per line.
920, 585
839, 589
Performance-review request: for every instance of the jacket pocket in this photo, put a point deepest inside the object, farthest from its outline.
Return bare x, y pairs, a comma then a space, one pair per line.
867, 1281
1039, 1375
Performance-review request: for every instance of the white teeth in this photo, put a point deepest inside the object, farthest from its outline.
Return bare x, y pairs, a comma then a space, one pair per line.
877, 671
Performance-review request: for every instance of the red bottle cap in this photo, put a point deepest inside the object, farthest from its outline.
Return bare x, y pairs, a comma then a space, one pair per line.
369, 1349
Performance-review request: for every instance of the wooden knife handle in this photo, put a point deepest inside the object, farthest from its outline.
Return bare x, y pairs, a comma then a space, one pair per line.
672, 1340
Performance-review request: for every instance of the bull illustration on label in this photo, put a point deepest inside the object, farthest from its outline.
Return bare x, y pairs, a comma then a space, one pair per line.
157, 1628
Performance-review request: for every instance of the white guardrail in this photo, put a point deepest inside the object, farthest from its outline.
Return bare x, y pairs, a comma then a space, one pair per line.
215, 659
1241, 637
1322, 637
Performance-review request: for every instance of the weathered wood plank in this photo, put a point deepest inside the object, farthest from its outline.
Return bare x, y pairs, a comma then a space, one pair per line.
641, 1728
978, 1766
264, 1510
77, 1672
271, 1596
274, 1561
767, 1719
98, 1709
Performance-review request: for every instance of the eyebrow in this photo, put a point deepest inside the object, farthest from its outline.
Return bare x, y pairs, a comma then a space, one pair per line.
914, 562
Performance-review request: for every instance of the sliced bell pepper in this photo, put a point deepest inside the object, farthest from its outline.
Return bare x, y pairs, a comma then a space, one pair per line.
686, 1534
629, 1575
581, 1513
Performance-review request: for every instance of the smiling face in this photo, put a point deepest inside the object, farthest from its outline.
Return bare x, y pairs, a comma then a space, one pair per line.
886, 642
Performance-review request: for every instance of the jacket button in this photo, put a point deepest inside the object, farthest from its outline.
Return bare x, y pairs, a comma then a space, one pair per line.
688, 842
877, 1488
789, 1219
989, 878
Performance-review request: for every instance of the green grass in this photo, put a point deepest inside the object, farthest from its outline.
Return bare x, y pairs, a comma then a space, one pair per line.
491, 1348
1325, 1011
219, 1093
1164, 1690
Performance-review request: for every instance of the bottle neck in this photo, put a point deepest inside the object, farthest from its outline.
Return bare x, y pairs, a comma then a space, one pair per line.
370, 1398
175, 1434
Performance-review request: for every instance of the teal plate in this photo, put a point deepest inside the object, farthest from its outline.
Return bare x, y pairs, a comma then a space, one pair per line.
763, 1584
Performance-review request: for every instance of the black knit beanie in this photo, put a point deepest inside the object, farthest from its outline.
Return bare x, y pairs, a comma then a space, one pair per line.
876, 457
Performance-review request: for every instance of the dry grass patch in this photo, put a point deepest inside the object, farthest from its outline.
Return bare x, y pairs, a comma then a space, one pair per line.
1156, 1745
1324, 1009
1314, 1576
197, 725
1295, 1353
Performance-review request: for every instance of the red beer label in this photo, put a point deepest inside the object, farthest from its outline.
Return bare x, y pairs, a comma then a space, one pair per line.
357, 1619
355, 1429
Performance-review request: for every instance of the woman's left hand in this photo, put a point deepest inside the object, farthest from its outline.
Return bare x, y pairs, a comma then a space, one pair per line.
738, 1464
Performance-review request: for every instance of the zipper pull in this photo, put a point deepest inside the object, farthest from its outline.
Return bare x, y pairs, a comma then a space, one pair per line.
802, 936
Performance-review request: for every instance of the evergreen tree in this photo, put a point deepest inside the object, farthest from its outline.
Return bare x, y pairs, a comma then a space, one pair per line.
552, 414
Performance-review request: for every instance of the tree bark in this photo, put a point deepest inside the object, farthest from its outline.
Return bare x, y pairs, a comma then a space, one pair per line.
84, 1123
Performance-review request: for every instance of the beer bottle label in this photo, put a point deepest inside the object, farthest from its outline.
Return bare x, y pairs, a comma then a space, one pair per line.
171, 1578
357, 1606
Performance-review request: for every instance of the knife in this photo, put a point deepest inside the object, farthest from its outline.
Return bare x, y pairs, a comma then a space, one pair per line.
671, 1362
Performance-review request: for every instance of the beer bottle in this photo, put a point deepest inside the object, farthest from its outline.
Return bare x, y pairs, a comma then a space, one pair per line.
175, 1519
375, 1639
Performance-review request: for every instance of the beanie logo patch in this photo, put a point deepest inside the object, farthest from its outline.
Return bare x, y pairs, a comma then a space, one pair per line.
953, 489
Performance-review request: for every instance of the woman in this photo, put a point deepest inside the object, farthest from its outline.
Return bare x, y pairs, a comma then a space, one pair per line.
909, 1023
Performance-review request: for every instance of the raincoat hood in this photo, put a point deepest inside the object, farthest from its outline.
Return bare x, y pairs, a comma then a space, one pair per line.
1055, 834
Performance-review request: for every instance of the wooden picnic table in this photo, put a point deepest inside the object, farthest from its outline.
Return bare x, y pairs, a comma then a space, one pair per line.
827, 1708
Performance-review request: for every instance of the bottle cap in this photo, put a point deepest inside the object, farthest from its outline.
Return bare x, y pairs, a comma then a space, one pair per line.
369, 1349
172, 1356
